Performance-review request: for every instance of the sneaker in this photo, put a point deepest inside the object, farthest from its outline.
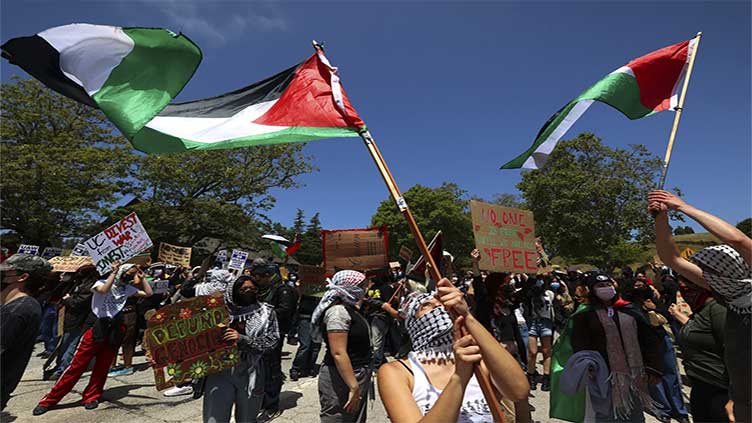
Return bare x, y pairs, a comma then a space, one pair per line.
91, 405
294, 375
44, 354
268, 415
178, 391
291, 340
532, 379
39, 410
121, 372
546, 384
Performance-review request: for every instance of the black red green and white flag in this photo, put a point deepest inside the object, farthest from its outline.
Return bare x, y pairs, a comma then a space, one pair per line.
644, 86
304, 102
131, 74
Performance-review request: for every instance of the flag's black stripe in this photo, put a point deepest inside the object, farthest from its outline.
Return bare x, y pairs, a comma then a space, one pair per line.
37, 57
228, 104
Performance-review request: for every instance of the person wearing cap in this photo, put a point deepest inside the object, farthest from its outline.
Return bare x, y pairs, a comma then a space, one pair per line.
273, 291
726, 271
20, 314
100, 342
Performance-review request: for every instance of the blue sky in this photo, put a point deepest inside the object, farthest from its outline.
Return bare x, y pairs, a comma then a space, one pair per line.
452, 90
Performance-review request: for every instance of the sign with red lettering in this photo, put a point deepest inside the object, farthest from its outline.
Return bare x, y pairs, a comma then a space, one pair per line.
121, 241
505, 238
355, 249
185, 341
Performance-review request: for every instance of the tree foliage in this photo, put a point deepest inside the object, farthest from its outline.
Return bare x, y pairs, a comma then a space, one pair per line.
62, 165
683, 230
444, 208
589, 200
221, 194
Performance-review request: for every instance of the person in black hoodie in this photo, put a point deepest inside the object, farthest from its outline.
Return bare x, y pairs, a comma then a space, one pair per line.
273, 291
304, 362
77, 305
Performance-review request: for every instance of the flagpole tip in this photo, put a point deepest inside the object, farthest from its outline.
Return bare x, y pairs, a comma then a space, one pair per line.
699, 34
316, 45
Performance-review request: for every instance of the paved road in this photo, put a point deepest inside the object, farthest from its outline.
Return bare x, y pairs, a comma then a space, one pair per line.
134, 399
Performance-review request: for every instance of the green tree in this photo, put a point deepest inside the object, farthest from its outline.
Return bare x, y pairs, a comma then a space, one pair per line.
508, 200
222, 194
745, 226
683, 230
589, 200
444, 208
62, 165
298, 226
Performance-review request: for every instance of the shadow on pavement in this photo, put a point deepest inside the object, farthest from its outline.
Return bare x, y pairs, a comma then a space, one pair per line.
289, 399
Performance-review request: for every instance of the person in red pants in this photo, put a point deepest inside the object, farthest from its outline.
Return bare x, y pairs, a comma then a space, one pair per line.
102, 340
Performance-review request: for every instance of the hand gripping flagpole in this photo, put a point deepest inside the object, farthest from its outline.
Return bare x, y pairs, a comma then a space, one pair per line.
480, 371
679, 109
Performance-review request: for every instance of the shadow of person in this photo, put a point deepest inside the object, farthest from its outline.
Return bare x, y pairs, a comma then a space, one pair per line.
289, 399
7, 417
119, 392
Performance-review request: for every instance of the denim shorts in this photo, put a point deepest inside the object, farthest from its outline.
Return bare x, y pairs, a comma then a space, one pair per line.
541, 327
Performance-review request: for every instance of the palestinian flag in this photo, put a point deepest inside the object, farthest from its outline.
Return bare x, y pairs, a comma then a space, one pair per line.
301, 103
646, 85
131, 74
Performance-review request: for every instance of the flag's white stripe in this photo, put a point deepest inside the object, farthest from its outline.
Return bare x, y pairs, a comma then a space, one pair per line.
89, 53
539, 156
680, 81
211, 130
625, 69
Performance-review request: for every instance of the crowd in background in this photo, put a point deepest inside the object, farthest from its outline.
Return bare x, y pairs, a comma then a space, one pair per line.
614, 335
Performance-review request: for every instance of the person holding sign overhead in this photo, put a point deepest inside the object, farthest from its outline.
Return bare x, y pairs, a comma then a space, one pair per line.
102, 340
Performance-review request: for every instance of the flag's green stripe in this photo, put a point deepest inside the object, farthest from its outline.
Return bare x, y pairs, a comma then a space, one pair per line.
277, 250
148, 78
620, 91
151, 141
545, 132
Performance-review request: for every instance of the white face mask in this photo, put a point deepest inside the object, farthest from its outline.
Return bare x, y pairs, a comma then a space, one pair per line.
605, 293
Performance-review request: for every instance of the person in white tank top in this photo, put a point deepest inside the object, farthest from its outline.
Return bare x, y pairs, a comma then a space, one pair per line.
436, 382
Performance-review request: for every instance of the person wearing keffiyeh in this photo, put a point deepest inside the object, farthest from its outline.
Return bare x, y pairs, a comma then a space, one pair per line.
726, 271
435, 383
253, 325
345, 376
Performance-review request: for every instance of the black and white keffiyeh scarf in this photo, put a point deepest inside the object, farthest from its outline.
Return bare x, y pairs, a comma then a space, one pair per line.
430, 334
345, 285
217, 280
728, 274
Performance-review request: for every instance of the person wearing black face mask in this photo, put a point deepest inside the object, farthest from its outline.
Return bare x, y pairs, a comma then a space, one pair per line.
20, 315
253, 326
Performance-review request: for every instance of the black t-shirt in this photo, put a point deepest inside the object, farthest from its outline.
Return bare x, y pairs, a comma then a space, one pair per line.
19, 327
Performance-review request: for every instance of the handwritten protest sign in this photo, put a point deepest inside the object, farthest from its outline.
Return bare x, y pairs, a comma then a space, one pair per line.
355, 249
312, 279
69, 263
173, 254
505, 238
79, 250
160, 286
28, 249
406, 254
185, 341
238, 259
121, 241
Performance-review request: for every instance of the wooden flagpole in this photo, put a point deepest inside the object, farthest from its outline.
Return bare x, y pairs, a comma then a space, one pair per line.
679, 109
484, 379
480, 373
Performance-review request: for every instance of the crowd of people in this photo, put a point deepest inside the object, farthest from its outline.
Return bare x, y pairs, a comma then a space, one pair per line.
604, 344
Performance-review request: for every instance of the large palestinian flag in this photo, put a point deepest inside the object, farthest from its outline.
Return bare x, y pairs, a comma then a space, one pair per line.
646, 85
301, 103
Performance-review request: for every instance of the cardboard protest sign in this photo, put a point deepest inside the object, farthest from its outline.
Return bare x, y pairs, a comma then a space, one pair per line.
121, 241
185, 341
312, 279
355, 249
237, 260
69, 263
28, 249
406, 254
505, 238
173, 254
51, 252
